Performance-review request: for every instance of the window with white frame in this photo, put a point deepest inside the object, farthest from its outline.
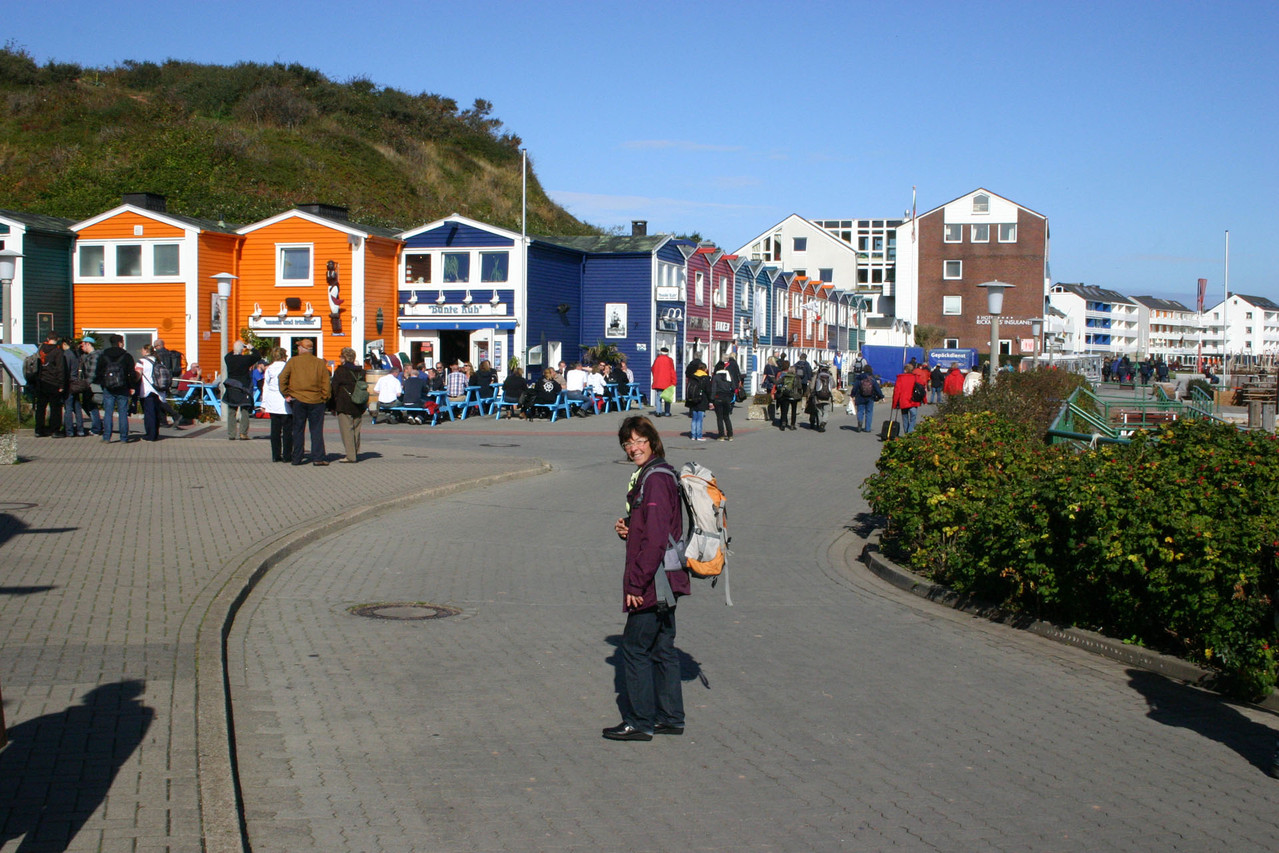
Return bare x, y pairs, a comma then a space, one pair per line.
952, 269
746, 297
128, 260
980, 233
954, 234
493, 266
417, 269
293, 267
950, 343
699, 286
952, 306
799, 244
981, 203
827, 274
721, 293
1008, 232
457, 267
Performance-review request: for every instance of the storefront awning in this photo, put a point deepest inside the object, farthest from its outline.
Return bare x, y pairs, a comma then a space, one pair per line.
448, 325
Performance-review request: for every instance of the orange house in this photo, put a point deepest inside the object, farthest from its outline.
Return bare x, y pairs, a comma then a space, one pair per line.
312, 273
144, 273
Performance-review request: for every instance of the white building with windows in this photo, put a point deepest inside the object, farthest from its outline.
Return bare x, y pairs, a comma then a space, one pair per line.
1097, 321
1251, 326
1166, 330
827, 251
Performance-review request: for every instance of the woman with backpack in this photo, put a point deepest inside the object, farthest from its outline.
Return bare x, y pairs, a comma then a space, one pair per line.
787, 393
866, 392
697, 397
349, 399
277, 408
149, 395
723, 396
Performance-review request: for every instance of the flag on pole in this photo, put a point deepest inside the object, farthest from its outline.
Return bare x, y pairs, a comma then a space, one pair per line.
1203, 289
912, 214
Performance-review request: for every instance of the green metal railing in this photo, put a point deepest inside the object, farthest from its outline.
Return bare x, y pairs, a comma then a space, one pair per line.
1088, 419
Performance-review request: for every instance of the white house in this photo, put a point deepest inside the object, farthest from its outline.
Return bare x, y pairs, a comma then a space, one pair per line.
1097, 321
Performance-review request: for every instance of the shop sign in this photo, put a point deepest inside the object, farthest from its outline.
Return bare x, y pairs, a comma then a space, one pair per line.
457, 309
277, 324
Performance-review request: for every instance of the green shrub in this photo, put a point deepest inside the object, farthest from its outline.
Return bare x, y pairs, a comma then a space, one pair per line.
1169, 541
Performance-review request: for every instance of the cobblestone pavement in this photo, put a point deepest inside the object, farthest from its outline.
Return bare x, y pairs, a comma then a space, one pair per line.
827, 710
110, 557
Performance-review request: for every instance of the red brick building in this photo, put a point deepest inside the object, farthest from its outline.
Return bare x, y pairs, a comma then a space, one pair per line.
944, 254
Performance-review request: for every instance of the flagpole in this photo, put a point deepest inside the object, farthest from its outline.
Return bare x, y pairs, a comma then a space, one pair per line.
1225, 305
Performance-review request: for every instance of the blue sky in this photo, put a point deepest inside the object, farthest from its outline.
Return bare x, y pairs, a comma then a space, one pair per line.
1143, 130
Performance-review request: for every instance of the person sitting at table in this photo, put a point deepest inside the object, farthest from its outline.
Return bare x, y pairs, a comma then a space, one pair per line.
485, 378
513, 390
546, 391
413, 396
388, 389
455, 383
434, 380
191, 374
595, 381
575, 382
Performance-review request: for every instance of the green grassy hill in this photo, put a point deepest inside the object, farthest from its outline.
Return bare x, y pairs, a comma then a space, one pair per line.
245, 142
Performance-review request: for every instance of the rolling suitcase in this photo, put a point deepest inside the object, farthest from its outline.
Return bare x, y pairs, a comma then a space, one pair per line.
892, 428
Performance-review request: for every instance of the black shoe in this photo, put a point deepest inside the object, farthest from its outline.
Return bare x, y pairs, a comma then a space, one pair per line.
625, 731
667, 729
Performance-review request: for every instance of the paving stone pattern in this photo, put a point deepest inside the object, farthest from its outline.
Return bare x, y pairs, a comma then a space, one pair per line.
826, 710
109, 557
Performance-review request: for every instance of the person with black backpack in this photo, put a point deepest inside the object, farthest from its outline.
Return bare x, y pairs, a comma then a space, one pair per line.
50, 387
697, 397
116, 373
866, 392
723, 396
821, 397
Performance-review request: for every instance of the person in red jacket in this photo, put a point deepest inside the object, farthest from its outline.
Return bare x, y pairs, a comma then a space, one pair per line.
954, 384
664, 383
904, 398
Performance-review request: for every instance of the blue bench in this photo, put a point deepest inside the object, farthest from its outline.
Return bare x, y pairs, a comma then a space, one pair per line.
504, 402
561, 405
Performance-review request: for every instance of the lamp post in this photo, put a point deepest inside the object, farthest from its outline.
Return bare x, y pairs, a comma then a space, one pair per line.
995, 305
1036, 329
8, 269
224, 280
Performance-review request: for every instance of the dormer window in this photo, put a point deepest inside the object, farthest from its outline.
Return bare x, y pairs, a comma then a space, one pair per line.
981, 203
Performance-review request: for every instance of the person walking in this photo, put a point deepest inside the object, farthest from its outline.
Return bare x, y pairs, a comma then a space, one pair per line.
72, 413
787, 393
278, 408
954, 383
663, 383
904, 398
306, 384
866, 392
936, 381
350, 410
723, 396
653, 701
821, 397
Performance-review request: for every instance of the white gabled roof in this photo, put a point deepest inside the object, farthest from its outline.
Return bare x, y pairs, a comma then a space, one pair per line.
185, 225
457, 217
796, 220
981, 190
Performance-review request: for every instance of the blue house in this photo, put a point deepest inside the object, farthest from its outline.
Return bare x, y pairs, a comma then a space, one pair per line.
632, 295
461, 294
41, 288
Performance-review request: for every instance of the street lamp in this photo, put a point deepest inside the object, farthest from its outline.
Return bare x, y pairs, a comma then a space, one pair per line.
8, 269
995, 306
224, 280
1036, 329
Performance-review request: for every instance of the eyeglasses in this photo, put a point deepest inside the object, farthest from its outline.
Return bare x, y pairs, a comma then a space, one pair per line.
634, 442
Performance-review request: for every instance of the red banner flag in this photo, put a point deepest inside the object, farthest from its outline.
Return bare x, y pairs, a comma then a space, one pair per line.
1203, 288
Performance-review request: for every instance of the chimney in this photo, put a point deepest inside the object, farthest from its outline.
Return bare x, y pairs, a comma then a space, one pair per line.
639, 227
146, 201
328, 211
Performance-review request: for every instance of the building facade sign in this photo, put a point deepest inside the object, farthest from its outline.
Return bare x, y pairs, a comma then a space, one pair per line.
481, 309
290, 324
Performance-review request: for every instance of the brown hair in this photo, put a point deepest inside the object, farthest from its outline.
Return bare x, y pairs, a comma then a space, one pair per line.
641, 427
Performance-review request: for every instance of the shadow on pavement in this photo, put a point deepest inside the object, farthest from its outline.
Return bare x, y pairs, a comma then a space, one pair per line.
58, 768
690, 669
25, 590
11, 526
1175, 704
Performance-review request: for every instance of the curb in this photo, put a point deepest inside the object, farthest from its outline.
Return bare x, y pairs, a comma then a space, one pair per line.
220, 801
1089, 641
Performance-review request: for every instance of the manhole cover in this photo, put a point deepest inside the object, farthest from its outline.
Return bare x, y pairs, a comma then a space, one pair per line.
404, 611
